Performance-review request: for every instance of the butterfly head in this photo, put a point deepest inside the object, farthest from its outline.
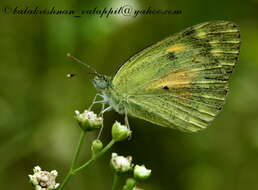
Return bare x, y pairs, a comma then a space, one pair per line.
101, 82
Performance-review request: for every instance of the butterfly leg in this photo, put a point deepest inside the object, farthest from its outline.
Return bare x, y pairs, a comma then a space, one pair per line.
100, 102
127, 124
103, 110
106, 109
97, 102
102, 115
127, 121
94, 99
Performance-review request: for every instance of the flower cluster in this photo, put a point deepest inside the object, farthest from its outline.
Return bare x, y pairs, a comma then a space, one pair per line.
88, 120
141, 172
120, 132
44, 180
121, 164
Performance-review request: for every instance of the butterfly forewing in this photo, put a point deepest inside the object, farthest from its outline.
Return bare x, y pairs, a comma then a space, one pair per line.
182, 81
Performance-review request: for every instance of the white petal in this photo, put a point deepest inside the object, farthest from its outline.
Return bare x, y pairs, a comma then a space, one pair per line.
54, 172
36, 169
57, 185
38, 187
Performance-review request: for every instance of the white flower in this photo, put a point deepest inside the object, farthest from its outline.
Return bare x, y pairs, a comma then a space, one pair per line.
120, 132
121, 164
44, 180
140, 172
88, 120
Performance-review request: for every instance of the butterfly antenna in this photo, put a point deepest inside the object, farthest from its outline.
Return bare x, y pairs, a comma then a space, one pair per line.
72, 75
82, 63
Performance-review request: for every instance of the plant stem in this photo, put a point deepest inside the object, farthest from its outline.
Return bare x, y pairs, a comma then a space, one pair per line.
115, 182
78, 149
75, 158
73, 171
94, 157
66, 180
133, 186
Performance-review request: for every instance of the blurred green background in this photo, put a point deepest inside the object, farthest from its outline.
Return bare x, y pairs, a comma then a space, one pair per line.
37, 101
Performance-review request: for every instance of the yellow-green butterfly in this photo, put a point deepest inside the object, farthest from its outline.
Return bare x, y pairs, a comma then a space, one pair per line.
180, 82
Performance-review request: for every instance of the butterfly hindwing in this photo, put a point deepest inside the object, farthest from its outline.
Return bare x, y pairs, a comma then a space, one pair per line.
181, 81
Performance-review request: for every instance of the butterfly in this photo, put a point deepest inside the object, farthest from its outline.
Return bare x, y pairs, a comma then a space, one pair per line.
180, 82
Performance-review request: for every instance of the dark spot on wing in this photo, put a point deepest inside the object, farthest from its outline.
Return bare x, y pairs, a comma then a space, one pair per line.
171, 55
195, 60
166, 88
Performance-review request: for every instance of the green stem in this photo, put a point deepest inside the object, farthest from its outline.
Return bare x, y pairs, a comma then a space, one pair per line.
75, 158
78, 149
115, 180
94, 157
73, 171
66, 180
133, 186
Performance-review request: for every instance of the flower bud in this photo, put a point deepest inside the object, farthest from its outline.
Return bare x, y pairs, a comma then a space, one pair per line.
96, 146
141, 173
120, 132
88, 120
129, 184
44, 180
121, 164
